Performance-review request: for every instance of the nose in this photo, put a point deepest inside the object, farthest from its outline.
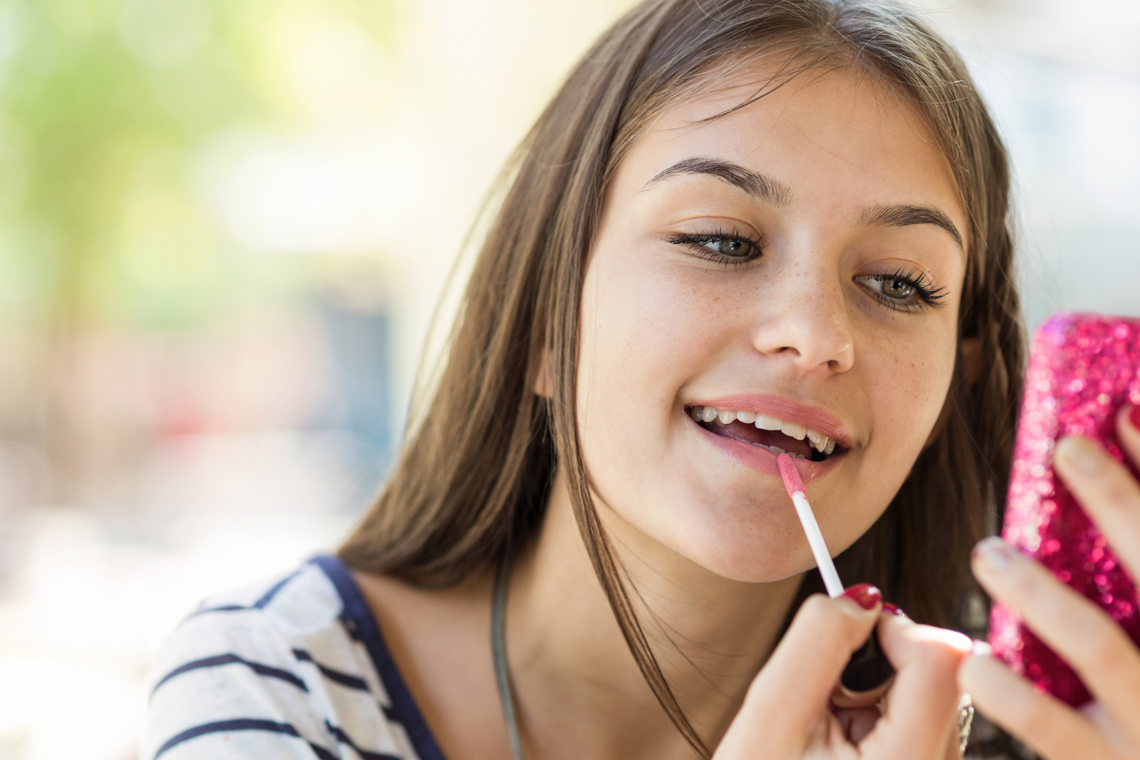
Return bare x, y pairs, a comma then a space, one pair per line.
803, 317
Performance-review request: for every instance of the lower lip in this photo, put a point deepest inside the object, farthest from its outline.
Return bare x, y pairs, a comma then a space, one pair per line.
764, 459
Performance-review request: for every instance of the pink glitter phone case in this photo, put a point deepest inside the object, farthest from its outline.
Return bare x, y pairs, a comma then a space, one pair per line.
1082, 368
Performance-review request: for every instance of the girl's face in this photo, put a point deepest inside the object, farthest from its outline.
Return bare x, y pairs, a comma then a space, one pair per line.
795, 264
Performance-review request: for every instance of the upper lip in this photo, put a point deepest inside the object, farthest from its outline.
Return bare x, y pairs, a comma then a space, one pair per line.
786, 410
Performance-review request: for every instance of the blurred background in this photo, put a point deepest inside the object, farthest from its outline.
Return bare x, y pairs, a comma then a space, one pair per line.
224, 227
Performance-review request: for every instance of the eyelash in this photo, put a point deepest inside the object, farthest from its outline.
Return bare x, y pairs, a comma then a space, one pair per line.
929, 295
698, 243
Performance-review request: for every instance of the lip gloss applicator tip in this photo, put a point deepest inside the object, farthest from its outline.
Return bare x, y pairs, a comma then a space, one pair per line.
795, 487
789, 474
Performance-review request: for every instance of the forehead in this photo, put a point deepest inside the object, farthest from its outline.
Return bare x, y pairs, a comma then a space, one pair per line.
838, 140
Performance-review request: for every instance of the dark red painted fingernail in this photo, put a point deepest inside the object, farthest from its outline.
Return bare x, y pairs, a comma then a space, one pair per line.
865, 595
892, 609
1134, 417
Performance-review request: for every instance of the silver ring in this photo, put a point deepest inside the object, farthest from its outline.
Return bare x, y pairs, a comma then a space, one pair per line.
965, 719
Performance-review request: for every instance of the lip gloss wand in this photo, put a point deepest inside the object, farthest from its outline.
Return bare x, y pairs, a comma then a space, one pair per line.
868, 668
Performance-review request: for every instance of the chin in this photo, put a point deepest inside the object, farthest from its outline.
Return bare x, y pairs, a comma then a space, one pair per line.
775, 553
742, 537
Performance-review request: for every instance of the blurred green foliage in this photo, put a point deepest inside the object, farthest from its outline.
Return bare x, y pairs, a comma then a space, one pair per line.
106, 107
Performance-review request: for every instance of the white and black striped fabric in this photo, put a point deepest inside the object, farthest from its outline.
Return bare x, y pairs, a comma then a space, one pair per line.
296, 669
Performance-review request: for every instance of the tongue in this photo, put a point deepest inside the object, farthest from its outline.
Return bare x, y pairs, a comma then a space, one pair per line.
742, 431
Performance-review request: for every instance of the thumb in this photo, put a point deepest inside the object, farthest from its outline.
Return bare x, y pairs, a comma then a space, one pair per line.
787, 700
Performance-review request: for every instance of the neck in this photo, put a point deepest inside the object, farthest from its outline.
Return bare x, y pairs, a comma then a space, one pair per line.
570, 664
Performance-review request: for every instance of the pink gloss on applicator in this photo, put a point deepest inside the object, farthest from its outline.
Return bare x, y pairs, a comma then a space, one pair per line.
795, 488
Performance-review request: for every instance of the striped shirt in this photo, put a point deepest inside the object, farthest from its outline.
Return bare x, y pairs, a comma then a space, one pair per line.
295, 668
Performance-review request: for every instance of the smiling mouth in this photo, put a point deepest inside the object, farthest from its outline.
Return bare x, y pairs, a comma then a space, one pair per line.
776, 435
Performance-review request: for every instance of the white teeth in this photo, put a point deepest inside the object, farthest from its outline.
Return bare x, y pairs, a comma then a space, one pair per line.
764, 422
795, 431
820, 442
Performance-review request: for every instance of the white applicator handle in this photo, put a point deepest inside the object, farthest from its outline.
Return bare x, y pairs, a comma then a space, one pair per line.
818, 547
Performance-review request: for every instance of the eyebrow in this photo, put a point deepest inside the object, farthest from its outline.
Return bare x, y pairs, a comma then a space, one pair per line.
778, 194
753, 183
905, 215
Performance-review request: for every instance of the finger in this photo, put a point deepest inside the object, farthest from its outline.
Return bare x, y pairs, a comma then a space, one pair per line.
1110, 730
1108, 493
1128, 430
798, 679
922, 706
1045, 724
953, 749
1087, 638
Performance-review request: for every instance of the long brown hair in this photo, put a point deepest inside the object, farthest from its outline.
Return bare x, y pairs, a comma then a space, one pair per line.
471, 481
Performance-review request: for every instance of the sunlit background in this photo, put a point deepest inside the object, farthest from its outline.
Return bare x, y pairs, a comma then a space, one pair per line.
224, 225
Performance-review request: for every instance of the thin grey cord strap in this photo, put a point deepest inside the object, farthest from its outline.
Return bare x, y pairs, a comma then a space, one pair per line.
499, 654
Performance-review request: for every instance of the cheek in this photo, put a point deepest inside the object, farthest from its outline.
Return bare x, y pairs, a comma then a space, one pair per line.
908, 388
644, 332
905, 382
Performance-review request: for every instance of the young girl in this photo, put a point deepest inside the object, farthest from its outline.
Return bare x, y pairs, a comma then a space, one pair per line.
742, 227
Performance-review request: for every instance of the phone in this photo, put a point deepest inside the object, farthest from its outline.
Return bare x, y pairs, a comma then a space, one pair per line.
1082, 369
